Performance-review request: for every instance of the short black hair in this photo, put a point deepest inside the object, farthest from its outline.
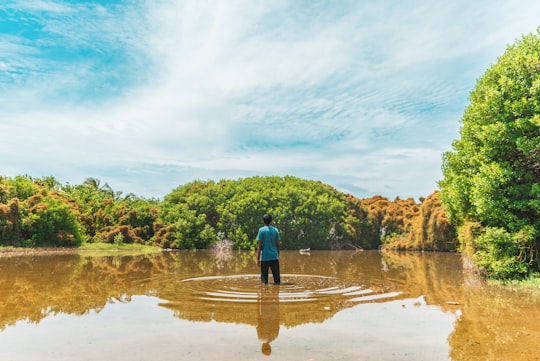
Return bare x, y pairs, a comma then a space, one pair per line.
267, 218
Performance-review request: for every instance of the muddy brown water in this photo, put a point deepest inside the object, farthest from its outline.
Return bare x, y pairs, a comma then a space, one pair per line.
203, 305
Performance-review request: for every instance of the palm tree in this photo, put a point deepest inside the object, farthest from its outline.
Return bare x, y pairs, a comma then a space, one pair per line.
95, 183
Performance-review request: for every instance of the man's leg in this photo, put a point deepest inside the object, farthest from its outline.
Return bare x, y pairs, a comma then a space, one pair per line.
264, 272
274, 266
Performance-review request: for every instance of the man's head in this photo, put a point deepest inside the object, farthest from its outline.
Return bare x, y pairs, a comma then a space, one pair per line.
266, 349
267, 219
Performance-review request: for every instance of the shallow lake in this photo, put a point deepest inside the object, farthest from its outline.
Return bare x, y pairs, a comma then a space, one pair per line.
204, 305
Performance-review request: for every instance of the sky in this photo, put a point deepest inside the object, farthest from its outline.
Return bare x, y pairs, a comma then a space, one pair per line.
148, 95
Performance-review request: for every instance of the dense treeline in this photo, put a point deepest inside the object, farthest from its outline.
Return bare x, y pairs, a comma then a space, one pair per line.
42, 212
491, 185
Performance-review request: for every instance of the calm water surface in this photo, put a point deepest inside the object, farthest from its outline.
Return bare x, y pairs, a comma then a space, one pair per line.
202, 305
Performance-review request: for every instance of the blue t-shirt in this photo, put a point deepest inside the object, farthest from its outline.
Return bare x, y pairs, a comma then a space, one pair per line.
269, 236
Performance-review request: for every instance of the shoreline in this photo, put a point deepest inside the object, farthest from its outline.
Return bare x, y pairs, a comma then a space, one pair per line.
45, 251
14, 251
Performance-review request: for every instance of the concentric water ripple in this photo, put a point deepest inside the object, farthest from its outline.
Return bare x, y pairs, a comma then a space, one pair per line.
246, 288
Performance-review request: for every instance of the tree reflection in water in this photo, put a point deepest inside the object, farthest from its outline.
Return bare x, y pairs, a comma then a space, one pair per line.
490, 321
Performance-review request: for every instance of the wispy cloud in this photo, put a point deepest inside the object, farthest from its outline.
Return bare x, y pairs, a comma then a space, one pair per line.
148, 95
65, 52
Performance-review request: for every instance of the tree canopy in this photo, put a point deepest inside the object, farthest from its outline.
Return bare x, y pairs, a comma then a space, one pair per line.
308, 213
491, 186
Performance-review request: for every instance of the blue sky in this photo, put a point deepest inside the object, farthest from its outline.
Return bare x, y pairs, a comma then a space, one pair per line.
150, 95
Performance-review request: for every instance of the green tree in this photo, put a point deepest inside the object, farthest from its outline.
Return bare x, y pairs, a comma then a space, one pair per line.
103, 214
307, 213
33, 212
492, 175
51, 222
190, 211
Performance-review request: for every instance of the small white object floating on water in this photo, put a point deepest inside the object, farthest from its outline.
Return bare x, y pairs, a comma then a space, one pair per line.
305, 250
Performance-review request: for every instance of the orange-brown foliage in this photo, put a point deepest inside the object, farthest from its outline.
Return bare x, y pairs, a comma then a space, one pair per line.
407, 225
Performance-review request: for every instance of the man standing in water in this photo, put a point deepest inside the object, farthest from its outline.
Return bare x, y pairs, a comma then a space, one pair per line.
268, 250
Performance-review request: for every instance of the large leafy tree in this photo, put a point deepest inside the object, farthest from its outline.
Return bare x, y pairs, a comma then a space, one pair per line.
34, 213
308, 213
491, 184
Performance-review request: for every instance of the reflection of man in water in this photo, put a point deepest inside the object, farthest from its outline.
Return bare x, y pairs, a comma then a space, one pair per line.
268, 317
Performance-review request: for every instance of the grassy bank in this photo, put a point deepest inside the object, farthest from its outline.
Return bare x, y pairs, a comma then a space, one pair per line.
86, 248
102, 249
118, 247
531, 282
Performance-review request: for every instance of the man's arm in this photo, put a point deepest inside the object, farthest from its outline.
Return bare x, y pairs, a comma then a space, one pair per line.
259, 248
